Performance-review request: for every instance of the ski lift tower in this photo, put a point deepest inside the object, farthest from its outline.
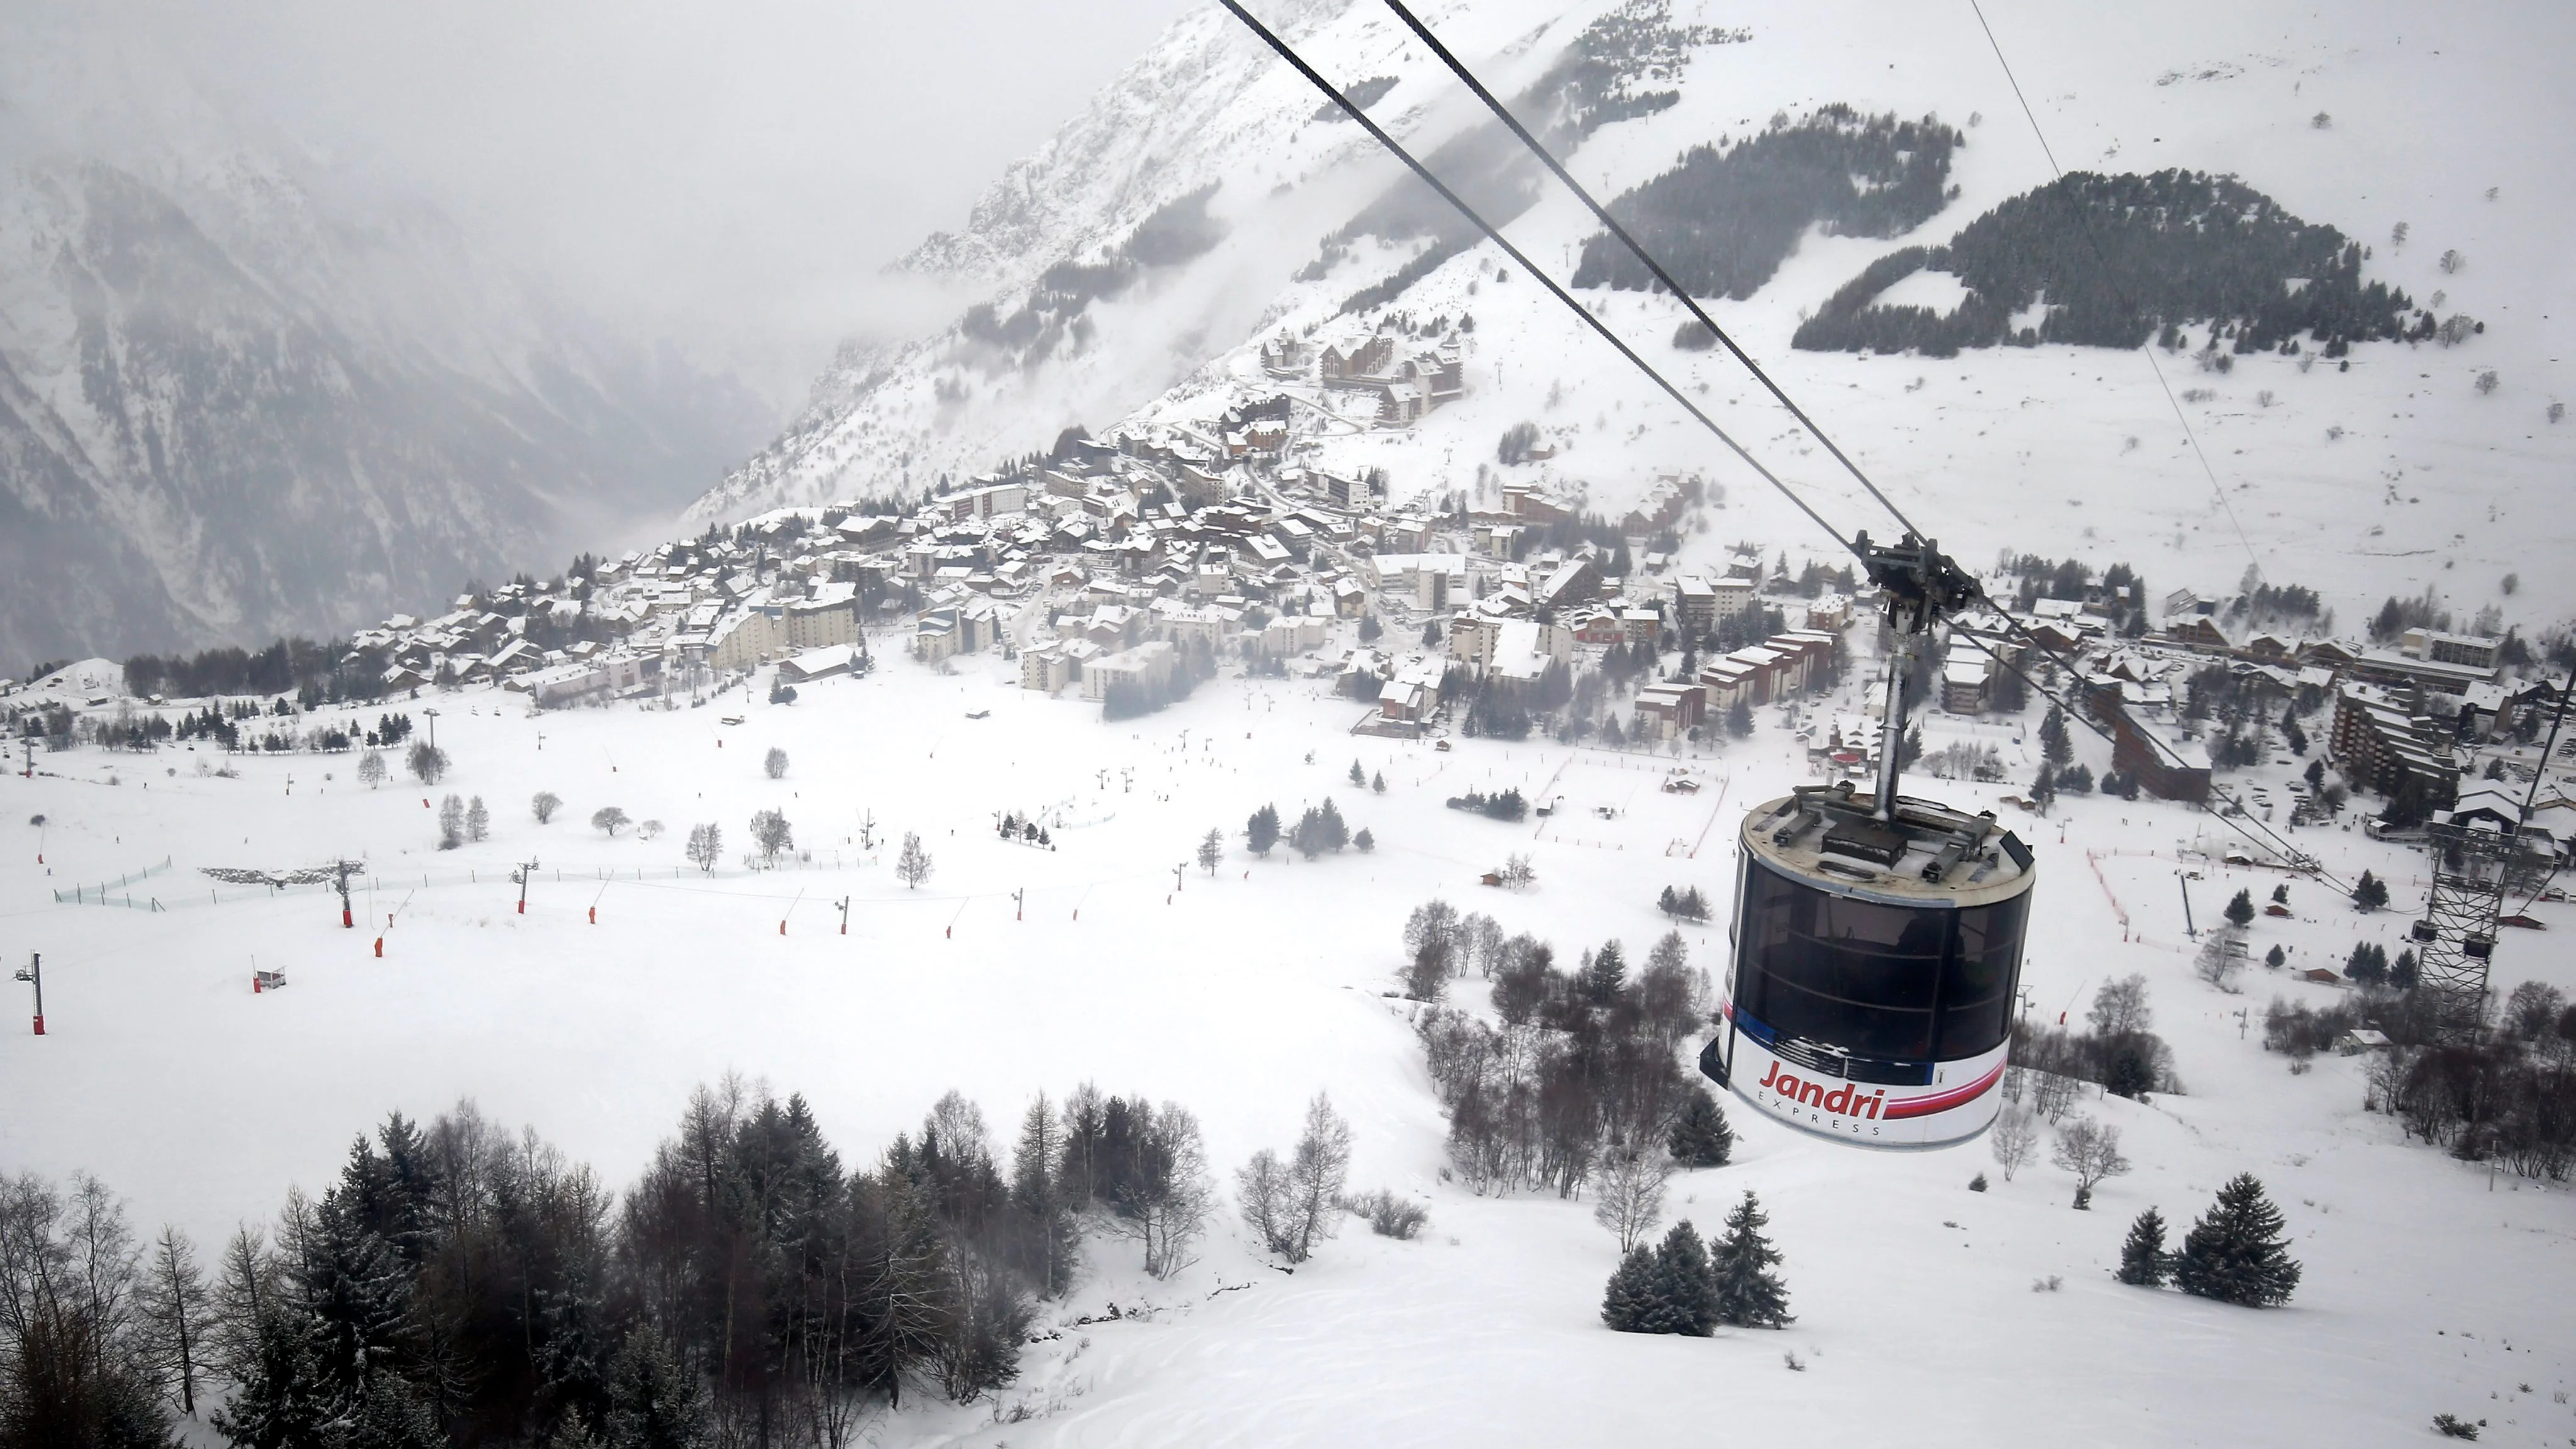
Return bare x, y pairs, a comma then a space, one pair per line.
2478, 854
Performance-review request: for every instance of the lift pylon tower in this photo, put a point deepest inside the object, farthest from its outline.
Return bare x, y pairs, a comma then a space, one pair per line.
2474, 863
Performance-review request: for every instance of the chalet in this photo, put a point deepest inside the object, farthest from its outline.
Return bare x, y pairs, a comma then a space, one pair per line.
1596, 627
1364, 365
1571, 583
1405, 702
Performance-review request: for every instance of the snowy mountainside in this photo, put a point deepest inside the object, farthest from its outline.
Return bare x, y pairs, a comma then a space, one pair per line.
2394, 477
242, 395
1207, 107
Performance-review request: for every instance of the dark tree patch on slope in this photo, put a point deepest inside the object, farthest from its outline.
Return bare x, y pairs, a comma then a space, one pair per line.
1363, 95
1178, 231
1606, 75
2183, 249
1725, 218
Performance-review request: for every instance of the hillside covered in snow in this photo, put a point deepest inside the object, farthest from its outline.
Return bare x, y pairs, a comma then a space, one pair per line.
243, 393
2363, 354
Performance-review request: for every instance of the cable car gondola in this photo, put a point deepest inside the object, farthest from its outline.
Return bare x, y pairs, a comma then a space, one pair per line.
1877, 939
1884, 940
1876, 962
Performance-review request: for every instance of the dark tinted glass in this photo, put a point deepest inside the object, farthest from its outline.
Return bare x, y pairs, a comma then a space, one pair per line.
1852, 974
1977, 985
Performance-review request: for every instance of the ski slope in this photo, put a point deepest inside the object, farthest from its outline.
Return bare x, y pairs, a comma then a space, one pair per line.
2430, 1285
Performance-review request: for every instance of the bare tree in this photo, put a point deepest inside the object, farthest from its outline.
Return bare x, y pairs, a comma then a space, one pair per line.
1317, 1174
2120, 1007
771, 832
544, 804
1517, 872
649, 830
174, 1302
774, 764
706, 846
371, 769
478, 821
913, 866
2221, 956
1629, 1193
427, 762
1165, 1204
1433, 923
1263, 1195
451, 823
2091, 1151
608, 818
2014, 1139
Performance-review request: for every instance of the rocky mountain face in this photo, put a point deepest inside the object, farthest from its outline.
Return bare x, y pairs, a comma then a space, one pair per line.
232, 405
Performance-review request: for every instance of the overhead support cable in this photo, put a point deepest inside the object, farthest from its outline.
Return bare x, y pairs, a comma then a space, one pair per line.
1858, 545
1396, 149
1611, 223
2085, 224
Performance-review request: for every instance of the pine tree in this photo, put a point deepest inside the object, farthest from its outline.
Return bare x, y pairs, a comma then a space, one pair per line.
1211, 850
1625, 1303
2043, 790
478, 821
2240, 910
1682, 1293
2143, 1260
2054, 743
2236, 1253
1261, 832
1377, 782
1359, 777
1700, 1136
1605, 974
1749, 1294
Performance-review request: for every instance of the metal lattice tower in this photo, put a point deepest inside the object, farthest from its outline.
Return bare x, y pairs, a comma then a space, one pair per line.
2473, 866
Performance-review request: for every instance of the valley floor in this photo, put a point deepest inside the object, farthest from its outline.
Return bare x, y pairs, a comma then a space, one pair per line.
2430, 1285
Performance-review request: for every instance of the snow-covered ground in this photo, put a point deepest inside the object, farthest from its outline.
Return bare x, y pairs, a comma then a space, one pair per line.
2431, 1286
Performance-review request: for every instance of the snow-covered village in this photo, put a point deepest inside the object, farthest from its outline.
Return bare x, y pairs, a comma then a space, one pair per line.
1519, 723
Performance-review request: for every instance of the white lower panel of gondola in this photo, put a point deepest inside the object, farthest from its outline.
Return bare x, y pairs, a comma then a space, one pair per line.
1960, 1103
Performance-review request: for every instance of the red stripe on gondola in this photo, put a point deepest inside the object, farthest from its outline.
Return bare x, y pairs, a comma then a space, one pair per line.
1925, 1106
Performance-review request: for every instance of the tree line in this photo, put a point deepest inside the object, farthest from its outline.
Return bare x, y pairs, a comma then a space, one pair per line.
1725, 217
2122, 259
458, 1284
1583, 1068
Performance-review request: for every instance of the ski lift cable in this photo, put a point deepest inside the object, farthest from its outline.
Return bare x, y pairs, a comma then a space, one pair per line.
1680, 293
2531, 797
1396, 149
1637, 249
1393, 147
2085, 224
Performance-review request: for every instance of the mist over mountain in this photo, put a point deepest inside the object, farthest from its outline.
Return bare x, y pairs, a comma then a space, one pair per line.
241, 394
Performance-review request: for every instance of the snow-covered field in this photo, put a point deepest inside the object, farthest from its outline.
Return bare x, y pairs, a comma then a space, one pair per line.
2431, 1286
